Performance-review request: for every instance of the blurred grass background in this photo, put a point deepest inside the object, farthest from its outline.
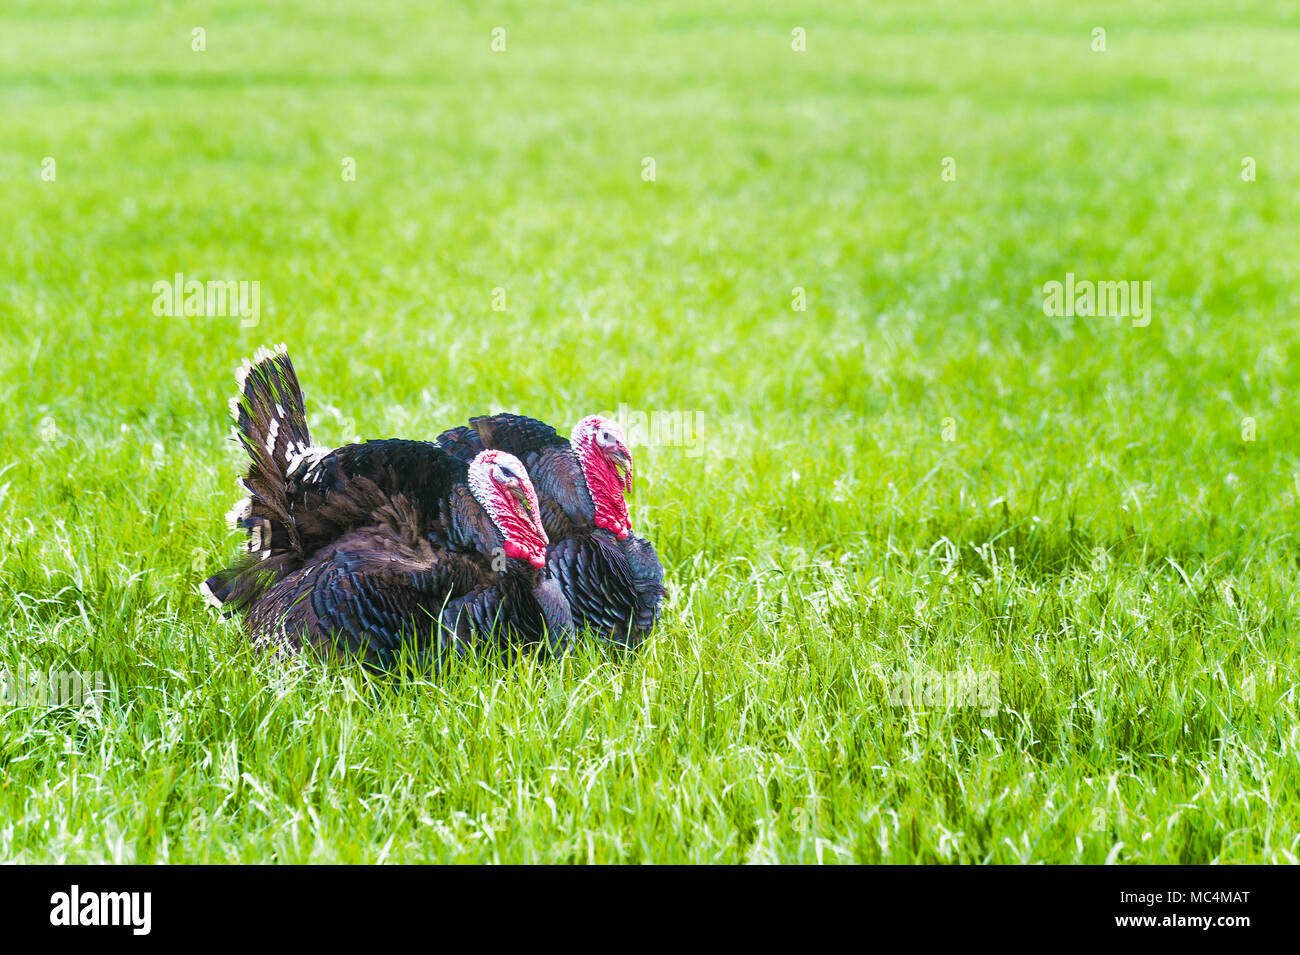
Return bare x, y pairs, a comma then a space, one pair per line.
1098, 532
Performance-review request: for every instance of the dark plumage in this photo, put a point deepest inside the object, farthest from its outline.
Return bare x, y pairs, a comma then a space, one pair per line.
612, 580
373, 547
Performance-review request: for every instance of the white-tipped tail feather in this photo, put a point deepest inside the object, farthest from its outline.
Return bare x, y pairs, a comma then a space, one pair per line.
241, 511
262, 354
209, 598
270, 424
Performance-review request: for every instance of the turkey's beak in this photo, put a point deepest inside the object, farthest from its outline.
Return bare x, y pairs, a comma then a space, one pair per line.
621, 459
521, 498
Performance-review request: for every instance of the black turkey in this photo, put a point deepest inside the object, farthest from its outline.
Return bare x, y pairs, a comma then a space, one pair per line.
612, 580
381, 550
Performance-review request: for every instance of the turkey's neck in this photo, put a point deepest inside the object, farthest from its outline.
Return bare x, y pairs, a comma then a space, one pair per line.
568, 509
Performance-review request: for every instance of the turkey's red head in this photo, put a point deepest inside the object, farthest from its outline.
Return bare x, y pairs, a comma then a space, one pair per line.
606, 463
502, 486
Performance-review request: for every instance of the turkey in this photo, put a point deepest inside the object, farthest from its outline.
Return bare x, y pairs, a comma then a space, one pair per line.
385, 550
612, 580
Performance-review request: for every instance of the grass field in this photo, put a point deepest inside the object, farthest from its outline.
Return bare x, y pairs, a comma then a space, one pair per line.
921, 472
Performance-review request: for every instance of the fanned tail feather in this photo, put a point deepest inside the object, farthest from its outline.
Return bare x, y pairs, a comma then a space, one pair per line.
270, 423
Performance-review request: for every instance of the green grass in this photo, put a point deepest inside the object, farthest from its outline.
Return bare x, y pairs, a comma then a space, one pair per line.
1097, 533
